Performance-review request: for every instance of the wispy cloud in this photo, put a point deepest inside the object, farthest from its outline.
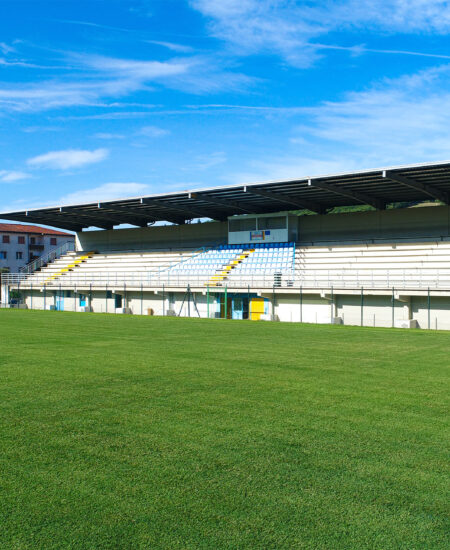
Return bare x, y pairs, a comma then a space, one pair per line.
361, 49
5, 48
179, 48
100, 77
289, 29
69, 158
396, 121
152, 131
11, 176
108, 135
204, 162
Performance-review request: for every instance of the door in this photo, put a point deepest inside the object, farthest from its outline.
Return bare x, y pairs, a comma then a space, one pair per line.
59, 301
238, 307
82, 300
256, 308
225, 307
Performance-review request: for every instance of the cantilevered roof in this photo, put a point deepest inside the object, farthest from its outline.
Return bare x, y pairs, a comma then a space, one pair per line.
377, 188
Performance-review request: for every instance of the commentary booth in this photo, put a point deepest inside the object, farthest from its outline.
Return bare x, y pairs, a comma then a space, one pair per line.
369, 248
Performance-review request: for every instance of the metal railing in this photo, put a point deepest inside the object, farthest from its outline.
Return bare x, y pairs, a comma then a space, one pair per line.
53, 255
344, 279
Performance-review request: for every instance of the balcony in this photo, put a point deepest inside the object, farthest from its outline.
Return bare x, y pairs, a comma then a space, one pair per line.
36, 246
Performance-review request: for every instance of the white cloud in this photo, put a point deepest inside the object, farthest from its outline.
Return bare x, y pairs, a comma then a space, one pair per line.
153, 131
107, 135
50, 95
286, 28
5, 49
179, 48
69, 158
134, 70
399, 121
100, 77
203, 162
10, 176
107, 191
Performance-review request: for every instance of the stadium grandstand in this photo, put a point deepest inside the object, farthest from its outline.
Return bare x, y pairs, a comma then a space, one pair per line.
252, 255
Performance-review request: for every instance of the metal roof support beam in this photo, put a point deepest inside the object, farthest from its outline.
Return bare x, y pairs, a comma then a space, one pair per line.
54, 221
232, 205
180, 220
104, 222
426, 188
133, 217
378, 204
188, 212
303, 204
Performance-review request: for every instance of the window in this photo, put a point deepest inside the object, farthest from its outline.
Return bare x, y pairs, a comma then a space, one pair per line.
277, 222
21, 240
19, 255
53, 241
242, 224
32, 240
109, 294
5, 239
3, 255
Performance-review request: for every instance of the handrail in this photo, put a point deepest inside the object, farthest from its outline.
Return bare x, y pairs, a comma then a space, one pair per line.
53, 255
435, 279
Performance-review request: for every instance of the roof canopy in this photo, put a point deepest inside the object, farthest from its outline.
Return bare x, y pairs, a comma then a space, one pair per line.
376, 188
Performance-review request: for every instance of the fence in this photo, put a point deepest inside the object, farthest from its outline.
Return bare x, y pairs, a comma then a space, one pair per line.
345, 279
215, 302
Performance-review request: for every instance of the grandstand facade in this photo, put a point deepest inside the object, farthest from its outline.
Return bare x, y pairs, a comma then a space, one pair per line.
255, 259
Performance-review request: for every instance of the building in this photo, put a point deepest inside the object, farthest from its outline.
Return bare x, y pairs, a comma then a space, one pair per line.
21, 244
255, 259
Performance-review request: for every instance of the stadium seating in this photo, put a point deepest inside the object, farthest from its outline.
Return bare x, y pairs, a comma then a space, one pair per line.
405, 265
373, 265
230, 262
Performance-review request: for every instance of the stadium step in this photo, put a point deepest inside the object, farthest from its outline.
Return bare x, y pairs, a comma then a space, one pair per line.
69, 267
220, 276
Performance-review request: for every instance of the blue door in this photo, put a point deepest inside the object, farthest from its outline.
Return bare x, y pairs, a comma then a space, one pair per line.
82, 300
238, 307
60, 301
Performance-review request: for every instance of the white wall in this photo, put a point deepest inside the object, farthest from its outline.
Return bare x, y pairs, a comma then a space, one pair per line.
377, 310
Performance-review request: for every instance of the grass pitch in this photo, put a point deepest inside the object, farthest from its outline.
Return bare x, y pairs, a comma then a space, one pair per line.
121, 432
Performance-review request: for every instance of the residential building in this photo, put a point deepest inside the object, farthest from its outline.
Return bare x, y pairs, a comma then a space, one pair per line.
21, 244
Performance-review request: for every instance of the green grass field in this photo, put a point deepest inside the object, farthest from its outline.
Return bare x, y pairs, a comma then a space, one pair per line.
126, 432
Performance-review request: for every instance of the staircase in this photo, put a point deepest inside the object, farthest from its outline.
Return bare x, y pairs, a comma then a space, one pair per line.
222, 275
70, 267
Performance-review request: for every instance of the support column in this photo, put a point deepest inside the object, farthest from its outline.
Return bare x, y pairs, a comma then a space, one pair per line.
5, 294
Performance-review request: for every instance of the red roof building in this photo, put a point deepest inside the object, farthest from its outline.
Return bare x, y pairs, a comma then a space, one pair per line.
35, 229
21, 244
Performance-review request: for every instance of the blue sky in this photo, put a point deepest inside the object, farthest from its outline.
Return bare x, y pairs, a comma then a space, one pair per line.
105, 99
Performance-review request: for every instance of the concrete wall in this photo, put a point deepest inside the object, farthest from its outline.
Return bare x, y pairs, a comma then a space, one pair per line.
313, 309
439, 312
431, 222
163, 237
377, 310
407, 223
